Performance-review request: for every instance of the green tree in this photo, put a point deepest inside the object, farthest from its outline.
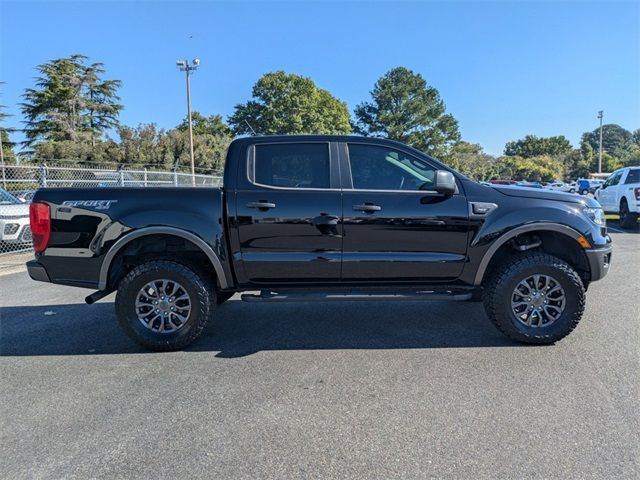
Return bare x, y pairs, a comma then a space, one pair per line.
577, 163
211, 125
535, 169
616, 141
70, 102
470, 159
405, 108
290, 104
532, 146
102, 109
8, 154
149, 146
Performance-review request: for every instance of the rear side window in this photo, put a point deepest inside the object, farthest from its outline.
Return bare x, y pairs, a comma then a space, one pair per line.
633, 176
292, 165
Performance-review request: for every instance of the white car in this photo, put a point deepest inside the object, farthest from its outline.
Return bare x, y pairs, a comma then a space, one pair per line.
561, 187
620, 194
14, 220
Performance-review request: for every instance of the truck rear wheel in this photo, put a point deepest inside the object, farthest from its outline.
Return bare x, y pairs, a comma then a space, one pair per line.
627, 219
535, 298
164, 305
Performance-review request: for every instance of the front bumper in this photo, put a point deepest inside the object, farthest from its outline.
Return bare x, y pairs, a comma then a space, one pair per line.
599, 261
37, 271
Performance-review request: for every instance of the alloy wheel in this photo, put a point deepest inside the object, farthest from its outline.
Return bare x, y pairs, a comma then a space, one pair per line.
538, 301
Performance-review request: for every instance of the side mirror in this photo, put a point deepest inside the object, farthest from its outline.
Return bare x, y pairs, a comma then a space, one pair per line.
445, 182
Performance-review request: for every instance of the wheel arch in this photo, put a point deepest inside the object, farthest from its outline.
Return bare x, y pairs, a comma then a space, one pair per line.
565, 231
170, 231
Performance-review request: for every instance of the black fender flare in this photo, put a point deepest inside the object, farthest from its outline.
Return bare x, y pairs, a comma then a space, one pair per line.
143, 232
531, 227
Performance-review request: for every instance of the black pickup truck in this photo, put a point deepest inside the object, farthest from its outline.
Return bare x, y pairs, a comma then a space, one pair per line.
310, 218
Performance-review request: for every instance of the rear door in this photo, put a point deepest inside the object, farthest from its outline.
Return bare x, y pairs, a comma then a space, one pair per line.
396, 228
289, 212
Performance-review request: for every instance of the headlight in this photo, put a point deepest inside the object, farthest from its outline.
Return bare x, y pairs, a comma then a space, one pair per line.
596, 215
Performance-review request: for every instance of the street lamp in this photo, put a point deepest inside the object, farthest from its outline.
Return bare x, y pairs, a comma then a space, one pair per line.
187, 67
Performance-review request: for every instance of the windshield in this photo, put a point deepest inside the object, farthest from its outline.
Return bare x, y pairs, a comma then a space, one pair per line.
7, 199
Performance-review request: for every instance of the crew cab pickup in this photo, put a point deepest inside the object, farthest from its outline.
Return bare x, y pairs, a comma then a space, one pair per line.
620, 194
323, 218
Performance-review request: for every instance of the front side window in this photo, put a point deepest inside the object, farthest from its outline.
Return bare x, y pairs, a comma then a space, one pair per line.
375, 167
611, 180
292, 165
616, 178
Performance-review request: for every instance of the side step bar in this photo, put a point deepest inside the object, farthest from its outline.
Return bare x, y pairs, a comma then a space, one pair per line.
410, 296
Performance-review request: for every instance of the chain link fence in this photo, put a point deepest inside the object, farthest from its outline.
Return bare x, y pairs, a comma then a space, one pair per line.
18, 184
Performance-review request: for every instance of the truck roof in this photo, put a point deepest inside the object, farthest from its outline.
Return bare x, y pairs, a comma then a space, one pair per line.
320, 138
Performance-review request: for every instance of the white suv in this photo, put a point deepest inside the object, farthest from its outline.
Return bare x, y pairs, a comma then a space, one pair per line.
14, 220
620, 194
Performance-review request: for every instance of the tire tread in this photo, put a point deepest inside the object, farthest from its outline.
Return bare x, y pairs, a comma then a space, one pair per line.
511, 267
205, 300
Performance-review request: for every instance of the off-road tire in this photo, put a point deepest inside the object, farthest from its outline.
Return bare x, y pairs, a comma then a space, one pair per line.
200, 290
499, 289
222, 297
628, 219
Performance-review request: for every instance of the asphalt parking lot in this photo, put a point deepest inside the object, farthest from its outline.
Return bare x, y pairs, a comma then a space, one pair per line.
379, 390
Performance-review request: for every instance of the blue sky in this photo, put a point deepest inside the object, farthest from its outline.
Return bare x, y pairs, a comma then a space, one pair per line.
504, 69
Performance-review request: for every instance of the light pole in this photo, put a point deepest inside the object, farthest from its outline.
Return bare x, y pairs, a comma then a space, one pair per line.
600, 152
184, 66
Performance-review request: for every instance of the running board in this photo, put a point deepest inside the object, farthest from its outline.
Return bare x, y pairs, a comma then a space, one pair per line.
355, 296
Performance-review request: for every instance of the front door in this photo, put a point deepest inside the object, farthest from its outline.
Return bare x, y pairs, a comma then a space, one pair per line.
289, 215
607, 195
396, 228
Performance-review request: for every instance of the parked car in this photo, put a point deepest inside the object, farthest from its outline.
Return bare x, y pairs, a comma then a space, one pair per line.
323, 218
620, 194
588, 186
561, 187
14, 220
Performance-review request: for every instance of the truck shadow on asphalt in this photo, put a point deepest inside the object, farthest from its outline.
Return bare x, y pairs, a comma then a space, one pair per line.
240, 329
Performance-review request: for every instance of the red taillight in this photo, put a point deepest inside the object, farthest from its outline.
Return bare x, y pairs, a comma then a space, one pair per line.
637, 193
40, 219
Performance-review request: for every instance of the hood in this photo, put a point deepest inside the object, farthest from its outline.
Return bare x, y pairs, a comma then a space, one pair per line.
544, 194
14, 210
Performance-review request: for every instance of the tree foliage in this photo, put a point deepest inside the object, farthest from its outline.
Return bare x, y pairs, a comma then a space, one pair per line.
616, 141
543, 168
532, 146
405, 108
211, 125
143, 146
289, 104
8, 153
470, 159
70, 102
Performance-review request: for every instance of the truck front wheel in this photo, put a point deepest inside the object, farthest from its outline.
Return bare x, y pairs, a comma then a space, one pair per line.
164, 305
535, 298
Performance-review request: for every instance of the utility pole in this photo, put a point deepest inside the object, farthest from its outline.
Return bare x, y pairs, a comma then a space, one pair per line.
184, 66
600, 152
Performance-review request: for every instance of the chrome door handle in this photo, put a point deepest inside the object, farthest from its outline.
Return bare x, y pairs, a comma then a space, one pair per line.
261, 205
367, 207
